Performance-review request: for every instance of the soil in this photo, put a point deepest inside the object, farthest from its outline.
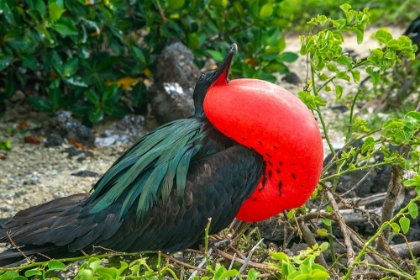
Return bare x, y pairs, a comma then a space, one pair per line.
32, 174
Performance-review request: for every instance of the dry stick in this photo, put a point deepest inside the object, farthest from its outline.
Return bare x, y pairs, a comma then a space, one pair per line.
394, 187
183, 263
251, 264
204, 260
315, 215
394, 256
374, 256
310, 240
232, 262
238, 252
248, 259
242, 227
17, 247
343, 228
358, 183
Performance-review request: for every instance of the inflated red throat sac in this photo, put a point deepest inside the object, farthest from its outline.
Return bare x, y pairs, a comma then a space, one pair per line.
275, 123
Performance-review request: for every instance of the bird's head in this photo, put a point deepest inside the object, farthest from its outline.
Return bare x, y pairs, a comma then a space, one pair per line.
212, 78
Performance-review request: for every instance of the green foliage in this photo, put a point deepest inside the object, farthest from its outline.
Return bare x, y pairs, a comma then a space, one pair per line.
297, 12
328, 65
302, 266
94, 58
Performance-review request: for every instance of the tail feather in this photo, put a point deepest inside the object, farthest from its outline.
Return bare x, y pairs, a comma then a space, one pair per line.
35, 229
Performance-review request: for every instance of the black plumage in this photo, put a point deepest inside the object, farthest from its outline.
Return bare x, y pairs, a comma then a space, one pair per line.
157, 196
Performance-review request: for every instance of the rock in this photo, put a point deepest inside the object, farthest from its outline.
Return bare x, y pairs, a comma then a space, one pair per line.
272, 230
376, 182
127, 131
292, 78
54, 140
174, 82
85, 173
72, 152
64, 125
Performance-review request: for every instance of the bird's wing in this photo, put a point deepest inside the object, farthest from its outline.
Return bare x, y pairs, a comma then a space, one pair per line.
155, 165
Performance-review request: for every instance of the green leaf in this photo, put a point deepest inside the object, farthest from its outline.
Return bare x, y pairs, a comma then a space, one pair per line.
345, 60
56, 265
266, 11
5, 145
252, 274
193, 41
5, 61
345, 8
395, 227
70, 67
229, 274
279, 256
288, 57
65, 27
95, 114
405, 224
319, 275
310, 100
7, 12
324, 246
55, 11
41, 104
219, 3
57, 63
9, 275
383, 36
55, 96
175, 4
368, 145
94, 263
374, 75
216, 55
356, 75
138, 54
29, 61
343, 75
338, 92
40, 7
326, 221
33, 272
413, 210
139, 94
110, 93
92, 96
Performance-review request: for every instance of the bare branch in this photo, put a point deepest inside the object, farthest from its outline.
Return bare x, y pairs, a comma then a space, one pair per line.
343, 228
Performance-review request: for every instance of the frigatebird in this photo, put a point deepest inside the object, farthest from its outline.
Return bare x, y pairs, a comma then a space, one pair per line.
236, 148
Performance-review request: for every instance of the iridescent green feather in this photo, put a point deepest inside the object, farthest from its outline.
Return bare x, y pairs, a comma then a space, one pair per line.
150, 168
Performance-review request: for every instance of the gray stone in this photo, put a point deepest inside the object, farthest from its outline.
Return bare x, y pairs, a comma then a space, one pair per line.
174, 82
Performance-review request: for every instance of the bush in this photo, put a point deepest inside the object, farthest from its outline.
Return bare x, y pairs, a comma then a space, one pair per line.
93, 58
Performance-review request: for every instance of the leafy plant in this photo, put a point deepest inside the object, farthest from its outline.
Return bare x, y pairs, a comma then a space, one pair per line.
302, 266
95, 58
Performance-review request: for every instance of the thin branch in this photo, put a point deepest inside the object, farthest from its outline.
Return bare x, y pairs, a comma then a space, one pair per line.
251, 264
17, 247
183, 263
343, 228
248, 259
358, 183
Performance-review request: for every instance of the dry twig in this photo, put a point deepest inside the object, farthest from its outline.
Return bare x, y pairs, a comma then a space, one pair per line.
17, 247
343, 228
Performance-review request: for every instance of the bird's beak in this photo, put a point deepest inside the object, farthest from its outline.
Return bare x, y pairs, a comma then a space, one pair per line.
220, 76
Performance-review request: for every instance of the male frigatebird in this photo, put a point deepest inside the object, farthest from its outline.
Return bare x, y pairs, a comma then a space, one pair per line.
160, 193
